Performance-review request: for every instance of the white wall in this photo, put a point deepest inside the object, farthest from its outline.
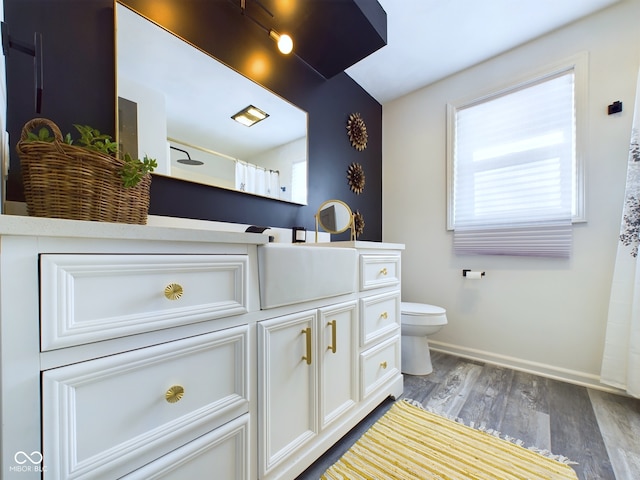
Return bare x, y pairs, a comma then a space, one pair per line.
542, 315
282, 158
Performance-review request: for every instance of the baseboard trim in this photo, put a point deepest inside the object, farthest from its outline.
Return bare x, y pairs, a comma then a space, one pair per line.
544, 370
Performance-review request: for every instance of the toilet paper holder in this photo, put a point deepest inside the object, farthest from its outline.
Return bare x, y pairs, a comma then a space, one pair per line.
467, 270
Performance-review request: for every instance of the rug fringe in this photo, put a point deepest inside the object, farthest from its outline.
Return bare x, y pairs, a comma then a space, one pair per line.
483, 428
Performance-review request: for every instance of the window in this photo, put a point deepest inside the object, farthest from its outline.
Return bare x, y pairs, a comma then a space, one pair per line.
515, 180
299, 182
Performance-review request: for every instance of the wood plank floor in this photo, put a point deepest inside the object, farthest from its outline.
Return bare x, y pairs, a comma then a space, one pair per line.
600, 431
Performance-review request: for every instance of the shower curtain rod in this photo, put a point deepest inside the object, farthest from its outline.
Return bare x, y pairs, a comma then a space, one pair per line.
213, 152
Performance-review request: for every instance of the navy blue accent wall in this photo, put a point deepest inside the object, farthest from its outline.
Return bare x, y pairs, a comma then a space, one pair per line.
79, 87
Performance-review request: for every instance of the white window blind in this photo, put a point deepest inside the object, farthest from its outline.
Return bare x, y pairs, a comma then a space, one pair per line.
514, 170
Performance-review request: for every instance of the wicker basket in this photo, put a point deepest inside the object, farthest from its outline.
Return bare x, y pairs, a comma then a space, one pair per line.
67, 181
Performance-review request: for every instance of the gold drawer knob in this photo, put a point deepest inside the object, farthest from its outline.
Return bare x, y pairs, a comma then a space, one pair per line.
384, 315
174, 394
383, 364
383, 271
173, 291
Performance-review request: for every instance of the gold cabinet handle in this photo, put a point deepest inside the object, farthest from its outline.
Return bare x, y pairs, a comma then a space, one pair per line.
383, 271
383, 364
174, 394
333, 345
307, 333
384, 315
173, 291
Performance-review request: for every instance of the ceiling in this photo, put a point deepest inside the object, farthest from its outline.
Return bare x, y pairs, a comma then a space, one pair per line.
428, 40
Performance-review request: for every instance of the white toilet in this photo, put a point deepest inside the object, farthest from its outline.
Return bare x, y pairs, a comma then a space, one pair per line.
418, 321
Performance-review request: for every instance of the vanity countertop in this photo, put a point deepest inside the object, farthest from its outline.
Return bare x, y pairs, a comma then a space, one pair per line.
53, 227
360, 244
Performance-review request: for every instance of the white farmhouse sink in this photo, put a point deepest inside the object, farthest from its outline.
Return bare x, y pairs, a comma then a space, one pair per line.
291, 273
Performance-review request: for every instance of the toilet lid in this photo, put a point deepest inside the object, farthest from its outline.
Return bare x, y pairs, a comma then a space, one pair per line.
409, 308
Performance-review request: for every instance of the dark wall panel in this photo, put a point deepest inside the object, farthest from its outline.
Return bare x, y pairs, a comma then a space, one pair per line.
79, 86
78, 65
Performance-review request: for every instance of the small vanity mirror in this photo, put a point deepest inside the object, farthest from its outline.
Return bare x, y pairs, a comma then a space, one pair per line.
176, 103
334, 216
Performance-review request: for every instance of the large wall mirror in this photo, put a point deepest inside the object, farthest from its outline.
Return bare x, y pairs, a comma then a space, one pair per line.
175, 104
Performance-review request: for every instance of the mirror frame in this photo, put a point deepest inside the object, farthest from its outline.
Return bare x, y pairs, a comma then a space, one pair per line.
228, 182
350, 224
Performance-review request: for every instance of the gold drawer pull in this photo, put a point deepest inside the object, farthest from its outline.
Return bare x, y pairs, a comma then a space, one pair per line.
173, 291
384, 315
383, 271
307, 333
333, 345
383, 364
174, 394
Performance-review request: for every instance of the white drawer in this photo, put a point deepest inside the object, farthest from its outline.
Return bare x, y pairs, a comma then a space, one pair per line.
105, 417
379, 364
88, 298
222, 454
377, 271
380, 316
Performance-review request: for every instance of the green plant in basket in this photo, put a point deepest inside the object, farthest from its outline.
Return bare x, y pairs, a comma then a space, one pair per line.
134, 169
44, 135
92, 139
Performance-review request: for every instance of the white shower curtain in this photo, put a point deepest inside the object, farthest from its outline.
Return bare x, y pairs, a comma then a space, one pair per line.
253, 179
621, 359
241, 176
274, 184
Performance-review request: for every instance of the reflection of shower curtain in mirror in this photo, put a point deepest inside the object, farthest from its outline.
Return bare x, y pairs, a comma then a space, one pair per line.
253, 179
621, 359
273, 184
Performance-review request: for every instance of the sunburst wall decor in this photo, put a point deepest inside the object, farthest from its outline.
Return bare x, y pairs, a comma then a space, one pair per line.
358, 223
355, 175
357, 131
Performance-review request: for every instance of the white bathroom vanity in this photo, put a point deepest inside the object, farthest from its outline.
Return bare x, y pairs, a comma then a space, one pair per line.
132, 351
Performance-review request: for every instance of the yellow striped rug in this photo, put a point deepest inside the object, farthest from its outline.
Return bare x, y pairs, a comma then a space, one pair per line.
409, 442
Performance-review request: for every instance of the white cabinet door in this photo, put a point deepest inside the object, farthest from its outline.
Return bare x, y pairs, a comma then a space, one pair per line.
222, 453
87, 298
107, 416
380, 317
337, 327
377, 271
380, 364
288, 386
